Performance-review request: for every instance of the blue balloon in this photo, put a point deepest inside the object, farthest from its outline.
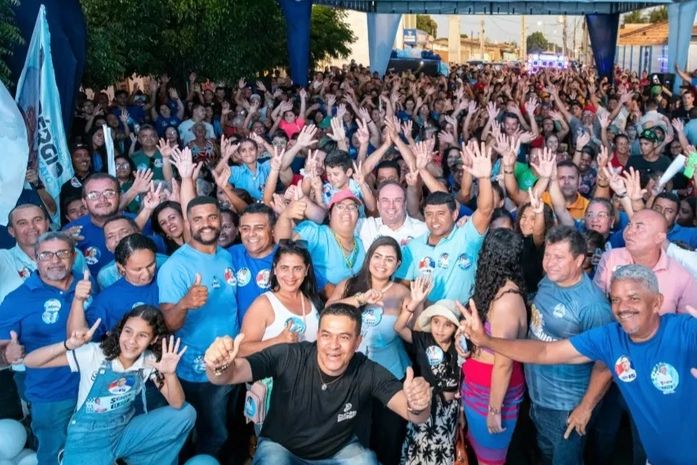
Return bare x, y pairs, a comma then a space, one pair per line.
202, 460
13, 436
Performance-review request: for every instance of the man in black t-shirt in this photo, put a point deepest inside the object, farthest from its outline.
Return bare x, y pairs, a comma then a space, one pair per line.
319, 390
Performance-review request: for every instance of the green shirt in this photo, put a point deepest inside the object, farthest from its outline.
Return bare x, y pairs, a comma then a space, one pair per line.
143, 162
524, 176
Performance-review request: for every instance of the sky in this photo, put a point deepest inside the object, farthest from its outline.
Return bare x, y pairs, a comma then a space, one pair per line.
506, 28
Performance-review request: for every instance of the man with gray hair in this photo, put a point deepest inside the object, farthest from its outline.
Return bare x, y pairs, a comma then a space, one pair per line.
35, 315
650, 356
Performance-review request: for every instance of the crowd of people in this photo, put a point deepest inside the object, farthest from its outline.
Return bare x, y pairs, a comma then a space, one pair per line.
363, 270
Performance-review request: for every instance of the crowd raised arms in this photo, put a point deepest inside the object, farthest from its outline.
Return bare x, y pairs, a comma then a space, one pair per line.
364, 270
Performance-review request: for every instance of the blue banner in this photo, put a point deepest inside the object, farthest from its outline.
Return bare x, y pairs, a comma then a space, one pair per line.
38, 99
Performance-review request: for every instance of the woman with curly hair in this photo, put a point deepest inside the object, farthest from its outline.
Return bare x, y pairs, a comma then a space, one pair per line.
104, 427
493, 385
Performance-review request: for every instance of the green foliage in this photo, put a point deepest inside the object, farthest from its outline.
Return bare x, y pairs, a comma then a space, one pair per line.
427, 24
634, 17
655, 15
537, 42
221, 40
10, 37
658, 15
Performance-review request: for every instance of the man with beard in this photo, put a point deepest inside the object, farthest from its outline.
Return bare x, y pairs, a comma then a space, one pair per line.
198, 292
32, 316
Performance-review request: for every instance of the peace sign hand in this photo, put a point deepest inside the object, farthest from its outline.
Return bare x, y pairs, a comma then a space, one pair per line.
167, 365
81, 337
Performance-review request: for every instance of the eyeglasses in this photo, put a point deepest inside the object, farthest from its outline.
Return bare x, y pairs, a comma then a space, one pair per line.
48, 255
122, 165
351, 208
293, 244
107, 194
599, 215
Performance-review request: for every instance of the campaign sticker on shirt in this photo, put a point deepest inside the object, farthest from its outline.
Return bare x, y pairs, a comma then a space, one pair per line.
559, 311
230, 277
243, 277
75, 182
371, 316
92, 255
51, 309
443, 260
215, 284
435, 355
624, 369
297, 325
665, 378
120, 386
464, 261
157, 163
427, 265
24, 272
137, 304
263, 277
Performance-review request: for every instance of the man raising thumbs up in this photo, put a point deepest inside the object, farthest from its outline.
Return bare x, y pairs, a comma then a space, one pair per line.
320, 389
198, 290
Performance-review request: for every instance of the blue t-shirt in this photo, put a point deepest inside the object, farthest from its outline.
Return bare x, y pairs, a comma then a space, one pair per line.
452, 262
242, 178
109, 274
655, 380
252, 276
560, 313
328, 259
218, 317
161, 124
112, 303
39, 314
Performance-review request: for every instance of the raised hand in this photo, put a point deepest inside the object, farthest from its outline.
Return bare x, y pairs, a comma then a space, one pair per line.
421, 287
221, 354
165, 149
531, 106
242, 83
632, 182
81, 337
604, 120
422, 152
363, 114
446, 138
481, 160
358, 175
222, 175
546, 163
124, 116
276, 161
535, 202
83, 288
617, 182
182, 160
142, 181
296, 209
582, 138
175, 194
678, 124
307, 134
472, 327
197, 296
338, 133
167, 364
492, 111
362, 133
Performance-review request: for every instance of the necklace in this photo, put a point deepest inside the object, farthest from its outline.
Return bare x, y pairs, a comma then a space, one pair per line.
324, 385
349, 259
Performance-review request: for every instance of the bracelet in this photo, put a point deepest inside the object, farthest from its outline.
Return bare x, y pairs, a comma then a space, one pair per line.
221, 369
65, 344
622, 195
359, 298
414, 412
507, 171
494, 411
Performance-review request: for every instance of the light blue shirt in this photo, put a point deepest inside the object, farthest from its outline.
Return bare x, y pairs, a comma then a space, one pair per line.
253, 183
217, 317
452, 262
559, 313
328, 259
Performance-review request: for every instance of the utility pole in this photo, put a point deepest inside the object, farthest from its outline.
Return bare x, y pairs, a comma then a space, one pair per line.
573, 42
481, 39
563, 36
523, 39
584, 43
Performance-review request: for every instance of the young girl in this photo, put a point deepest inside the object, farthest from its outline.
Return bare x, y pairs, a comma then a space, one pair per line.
104, 428
433, 442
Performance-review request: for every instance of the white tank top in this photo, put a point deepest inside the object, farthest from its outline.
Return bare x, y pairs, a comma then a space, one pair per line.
306, 326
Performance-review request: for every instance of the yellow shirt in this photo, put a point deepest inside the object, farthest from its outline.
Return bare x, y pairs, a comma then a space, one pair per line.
577, 208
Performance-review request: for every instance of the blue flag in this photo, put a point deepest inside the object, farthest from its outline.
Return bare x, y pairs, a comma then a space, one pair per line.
39, 100
15, 153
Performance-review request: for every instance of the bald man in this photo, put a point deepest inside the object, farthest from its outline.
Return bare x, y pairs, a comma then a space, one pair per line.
644, 237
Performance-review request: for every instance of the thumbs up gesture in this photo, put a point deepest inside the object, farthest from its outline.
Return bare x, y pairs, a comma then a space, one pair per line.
14, 351
221, 354
83, 289
417, 392
197, 295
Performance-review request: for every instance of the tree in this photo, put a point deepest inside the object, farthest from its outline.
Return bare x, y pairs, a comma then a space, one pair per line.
219, 39
537, 42
634, 17
427, 24
10, 37
658, 15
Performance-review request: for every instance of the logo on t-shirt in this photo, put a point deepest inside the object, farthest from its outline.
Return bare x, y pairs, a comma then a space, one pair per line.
435, 355
92, 255
199, 365
120, 386
464, 261
347, 414
263, 278
215, 284
665, 378
157, 163
230, 277
75, 182
51, 309
537, 325
559, 311
624, 369
142, 166
443, 260
243, 277
426, 265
